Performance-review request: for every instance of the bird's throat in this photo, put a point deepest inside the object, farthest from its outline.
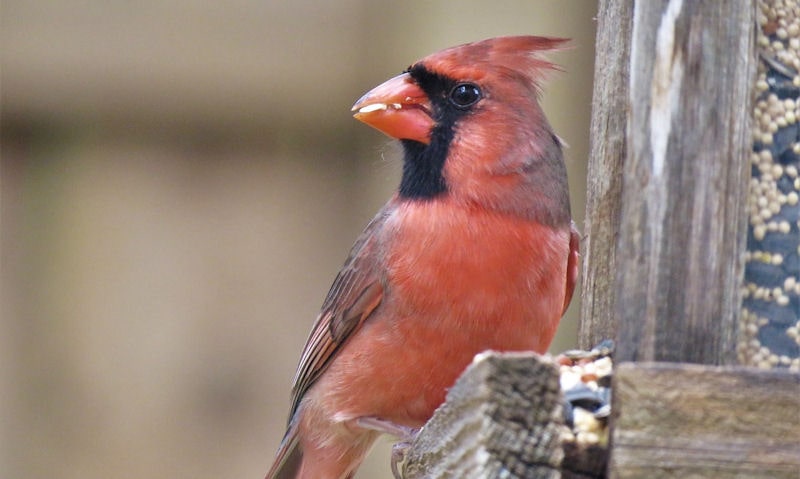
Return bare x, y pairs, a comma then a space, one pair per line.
423, 169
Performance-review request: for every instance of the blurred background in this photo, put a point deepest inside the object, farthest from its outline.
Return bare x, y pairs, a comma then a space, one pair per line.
181, 181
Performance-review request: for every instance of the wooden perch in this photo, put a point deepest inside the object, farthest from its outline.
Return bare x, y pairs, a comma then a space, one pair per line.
682, 420
503, 418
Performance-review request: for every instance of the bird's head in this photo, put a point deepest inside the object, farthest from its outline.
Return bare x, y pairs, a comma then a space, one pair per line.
470, 122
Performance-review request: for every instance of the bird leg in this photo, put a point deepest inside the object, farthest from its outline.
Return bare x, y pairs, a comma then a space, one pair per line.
387, 427
404, 433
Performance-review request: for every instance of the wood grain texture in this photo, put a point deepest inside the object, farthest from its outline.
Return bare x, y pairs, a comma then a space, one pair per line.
682, 232
693, 421
603, 181
503, 418
504, 414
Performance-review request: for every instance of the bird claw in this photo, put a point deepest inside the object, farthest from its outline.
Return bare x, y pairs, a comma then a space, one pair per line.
404, 433
398, 457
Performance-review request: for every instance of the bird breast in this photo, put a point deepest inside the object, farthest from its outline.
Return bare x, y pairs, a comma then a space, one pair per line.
478, 267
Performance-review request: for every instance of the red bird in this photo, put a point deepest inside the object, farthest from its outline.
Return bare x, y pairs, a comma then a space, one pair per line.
475, 251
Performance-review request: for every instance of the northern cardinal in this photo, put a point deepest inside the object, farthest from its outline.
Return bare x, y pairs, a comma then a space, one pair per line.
475, 251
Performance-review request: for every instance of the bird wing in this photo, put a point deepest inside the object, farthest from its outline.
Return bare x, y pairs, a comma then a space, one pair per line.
354, 295
573, 263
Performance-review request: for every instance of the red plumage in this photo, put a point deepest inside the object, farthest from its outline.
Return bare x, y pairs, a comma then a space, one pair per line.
476, 251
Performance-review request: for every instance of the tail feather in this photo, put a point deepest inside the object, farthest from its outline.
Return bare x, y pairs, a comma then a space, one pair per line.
289, 457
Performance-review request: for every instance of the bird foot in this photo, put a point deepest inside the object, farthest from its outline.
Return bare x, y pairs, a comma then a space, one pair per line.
398, 457
404, 433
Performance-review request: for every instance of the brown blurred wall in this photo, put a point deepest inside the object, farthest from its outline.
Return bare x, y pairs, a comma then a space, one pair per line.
180, 183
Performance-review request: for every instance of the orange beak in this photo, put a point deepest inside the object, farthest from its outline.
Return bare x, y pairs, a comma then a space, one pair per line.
398, 108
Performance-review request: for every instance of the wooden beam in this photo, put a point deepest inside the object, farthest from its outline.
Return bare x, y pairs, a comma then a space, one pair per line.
678, 420
503, 418
603, 182
684, 181
504, 413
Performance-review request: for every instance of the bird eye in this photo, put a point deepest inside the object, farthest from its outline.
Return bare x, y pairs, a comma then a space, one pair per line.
465, 95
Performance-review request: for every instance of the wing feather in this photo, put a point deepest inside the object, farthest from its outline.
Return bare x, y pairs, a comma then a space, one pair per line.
573, 264
354, 295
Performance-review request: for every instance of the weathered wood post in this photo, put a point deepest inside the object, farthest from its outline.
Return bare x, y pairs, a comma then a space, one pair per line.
604, 179
679, 127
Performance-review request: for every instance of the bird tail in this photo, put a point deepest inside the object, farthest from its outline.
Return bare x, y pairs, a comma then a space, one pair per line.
289, 457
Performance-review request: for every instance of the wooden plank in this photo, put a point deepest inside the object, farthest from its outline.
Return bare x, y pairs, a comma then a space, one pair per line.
682, 231
603, 180
693, 421
504, 418
503, 414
